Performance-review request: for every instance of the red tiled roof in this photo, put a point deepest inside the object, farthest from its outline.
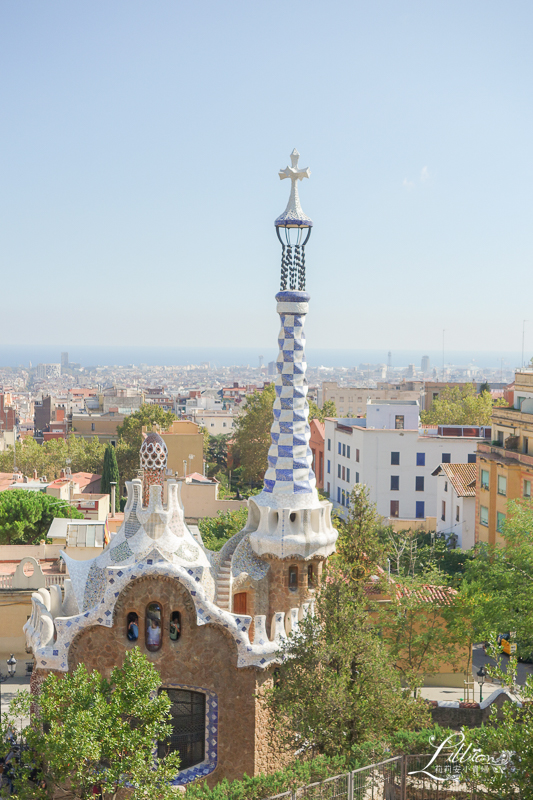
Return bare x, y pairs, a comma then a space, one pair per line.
428, 593
461, 476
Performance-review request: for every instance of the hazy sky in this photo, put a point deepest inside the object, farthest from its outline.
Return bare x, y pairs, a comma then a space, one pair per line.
140, 143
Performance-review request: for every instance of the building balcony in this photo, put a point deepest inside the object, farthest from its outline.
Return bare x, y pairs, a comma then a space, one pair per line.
505, 454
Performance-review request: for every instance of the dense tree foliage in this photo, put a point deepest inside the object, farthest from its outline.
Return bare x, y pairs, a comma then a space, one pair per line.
498, 582
25, 517
217, 453
456, 406
86, 455
92, 732
252, 433
130, 436
337, 685
327, 410
217, 530
146, 416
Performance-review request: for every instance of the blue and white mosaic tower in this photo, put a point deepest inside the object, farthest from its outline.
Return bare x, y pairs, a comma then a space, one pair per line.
287, 517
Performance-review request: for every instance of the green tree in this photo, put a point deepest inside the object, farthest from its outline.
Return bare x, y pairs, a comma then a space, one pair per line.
456, 406
414, 629
335, 687
25, 517
359, 546
500, 581
131, 439
327, 410
507, 736
92, 731
252, 433
216, 531
86, 455
110, 474
148, 415
217, 451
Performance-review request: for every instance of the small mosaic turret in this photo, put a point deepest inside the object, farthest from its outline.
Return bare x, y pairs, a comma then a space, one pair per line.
154, 456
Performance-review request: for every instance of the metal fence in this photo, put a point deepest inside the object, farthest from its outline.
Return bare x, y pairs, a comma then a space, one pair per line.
399, 778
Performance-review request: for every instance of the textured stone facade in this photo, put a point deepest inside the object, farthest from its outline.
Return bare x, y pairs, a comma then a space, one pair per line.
204, 658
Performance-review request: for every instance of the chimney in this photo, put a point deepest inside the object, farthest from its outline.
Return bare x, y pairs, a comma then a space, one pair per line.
113, 497
35, 475
62, 473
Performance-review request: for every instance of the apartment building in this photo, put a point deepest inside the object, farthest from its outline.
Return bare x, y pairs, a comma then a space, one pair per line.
352, 399
456, 503
505, 465
395, 458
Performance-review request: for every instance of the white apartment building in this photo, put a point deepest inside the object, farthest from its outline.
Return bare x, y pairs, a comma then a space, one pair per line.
456, 503
396, 459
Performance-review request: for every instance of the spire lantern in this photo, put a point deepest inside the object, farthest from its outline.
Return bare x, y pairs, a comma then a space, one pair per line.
293, 228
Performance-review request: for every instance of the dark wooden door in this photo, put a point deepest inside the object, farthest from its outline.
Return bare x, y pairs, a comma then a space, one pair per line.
239, 603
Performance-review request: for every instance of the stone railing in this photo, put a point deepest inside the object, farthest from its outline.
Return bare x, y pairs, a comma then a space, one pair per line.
6, 581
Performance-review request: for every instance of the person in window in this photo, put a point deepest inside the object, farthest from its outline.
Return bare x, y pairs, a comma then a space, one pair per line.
175, 627
153, 634
133, 628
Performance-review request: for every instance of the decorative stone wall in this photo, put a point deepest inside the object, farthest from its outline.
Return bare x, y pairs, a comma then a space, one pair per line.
281, 598
204, 658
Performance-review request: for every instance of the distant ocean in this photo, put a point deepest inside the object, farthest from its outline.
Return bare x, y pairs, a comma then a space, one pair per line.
89, 355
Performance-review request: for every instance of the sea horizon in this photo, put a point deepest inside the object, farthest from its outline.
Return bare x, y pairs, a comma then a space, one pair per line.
15, 356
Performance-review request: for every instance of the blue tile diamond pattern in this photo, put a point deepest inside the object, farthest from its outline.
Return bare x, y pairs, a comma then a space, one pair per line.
289, 457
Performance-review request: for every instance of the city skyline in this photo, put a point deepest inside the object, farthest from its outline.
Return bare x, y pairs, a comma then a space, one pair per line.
141, 155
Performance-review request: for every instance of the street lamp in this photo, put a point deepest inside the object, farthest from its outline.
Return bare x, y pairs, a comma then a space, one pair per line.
481, 675
11, 668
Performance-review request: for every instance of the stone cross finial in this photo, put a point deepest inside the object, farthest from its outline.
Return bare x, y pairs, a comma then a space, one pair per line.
293, 216
293, 172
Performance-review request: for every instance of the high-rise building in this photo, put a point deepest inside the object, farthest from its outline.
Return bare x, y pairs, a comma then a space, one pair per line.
424, 364
64, 359
48, 371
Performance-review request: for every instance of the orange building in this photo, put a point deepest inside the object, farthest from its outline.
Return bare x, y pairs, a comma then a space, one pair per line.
316, 444
505, 466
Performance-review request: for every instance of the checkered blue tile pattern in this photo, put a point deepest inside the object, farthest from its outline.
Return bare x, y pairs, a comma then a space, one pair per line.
289, 457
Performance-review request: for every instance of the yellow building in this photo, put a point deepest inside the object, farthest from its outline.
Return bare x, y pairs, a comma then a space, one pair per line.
505, 467
103, 426
185, 445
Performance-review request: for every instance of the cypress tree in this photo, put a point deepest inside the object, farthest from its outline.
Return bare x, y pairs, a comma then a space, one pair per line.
110, 473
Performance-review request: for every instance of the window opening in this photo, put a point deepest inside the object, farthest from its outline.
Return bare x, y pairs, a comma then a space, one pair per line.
153, 626
132, 626
310, 576
174, 631
188, 727
293, 578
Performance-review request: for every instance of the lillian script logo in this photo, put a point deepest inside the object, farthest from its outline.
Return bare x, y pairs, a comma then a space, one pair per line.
450, 768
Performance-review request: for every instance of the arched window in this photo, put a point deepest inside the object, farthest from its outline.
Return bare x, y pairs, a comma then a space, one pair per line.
154, 618
132, 626
310, 576
188, 727
175, 626
293, 579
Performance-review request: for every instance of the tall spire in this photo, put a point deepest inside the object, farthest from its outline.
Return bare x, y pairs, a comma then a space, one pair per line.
287, 518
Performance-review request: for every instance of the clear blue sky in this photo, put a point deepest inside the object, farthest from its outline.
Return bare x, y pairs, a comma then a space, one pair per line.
139, 150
